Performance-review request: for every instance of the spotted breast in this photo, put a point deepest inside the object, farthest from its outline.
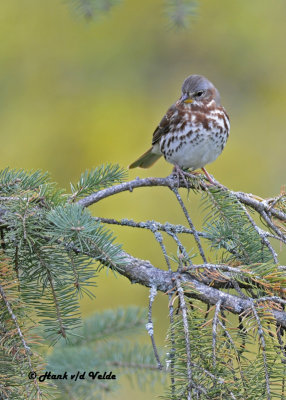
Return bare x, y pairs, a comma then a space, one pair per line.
196, 135
194, 130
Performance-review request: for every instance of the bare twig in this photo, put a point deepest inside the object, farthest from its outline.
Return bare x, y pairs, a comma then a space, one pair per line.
181, 247
263, 345
151, 225
215, 322
173, 348
133, 365
187, 215
267, 219
159, 238
150, 326
245, 198
143, 272
270, 298
187, 337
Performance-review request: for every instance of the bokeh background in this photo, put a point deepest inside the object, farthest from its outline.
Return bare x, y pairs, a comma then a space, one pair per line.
76, 94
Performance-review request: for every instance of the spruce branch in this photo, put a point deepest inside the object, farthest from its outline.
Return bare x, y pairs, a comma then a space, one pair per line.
187, 215
151, 225
263, 345
53, 239
239, 198
247, 199
19, 331
214, 328
187, 339
97, 179
150, 326
101, 344
16, 357
156, 228
110, 324
144, 273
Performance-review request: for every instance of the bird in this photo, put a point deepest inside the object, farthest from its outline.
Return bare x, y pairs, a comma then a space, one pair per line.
193, 132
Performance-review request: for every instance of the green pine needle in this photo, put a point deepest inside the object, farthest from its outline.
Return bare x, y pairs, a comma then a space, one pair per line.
14, 181
98, 178
101, 345
78, 229
227, 227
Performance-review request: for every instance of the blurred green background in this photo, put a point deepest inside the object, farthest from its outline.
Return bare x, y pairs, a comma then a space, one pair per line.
76, 94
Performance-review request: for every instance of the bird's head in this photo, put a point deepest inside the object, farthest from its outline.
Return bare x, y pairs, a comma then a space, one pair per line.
196, 89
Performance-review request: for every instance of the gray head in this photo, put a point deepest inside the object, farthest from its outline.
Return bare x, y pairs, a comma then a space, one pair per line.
197, 88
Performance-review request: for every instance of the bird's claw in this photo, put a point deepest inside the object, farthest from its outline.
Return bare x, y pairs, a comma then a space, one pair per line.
178, 172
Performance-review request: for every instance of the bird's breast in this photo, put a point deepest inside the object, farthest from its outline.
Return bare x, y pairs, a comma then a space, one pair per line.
196, 138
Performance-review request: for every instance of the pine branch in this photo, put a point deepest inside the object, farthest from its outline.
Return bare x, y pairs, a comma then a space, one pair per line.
214, 328
96, 179
151, 225
263, 345
187, 215
110, 324
53, 242
187, 339
144, 273
92, 348
150, 326
17, 358
76, 227
247, 199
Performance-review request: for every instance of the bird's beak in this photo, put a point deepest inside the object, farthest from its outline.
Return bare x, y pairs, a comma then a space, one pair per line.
185, 99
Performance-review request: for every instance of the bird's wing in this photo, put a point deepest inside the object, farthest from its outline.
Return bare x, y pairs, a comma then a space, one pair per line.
164, 125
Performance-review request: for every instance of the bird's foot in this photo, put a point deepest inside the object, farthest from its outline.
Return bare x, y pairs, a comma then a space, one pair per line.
212, 180
209, 178
180, 173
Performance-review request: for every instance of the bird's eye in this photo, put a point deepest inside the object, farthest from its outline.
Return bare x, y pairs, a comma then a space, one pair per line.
199, 93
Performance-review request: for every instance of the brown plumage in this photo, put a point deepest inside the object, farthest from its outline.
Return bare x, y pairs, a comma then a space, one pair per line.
194, 130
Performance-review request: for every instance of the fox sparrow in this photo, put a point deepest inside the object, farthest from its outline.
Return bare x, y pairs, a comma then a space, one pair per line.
194, 130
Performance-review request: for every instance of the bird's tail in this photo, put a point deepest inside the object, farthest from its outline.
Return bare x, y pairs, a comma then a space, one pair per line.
146, 160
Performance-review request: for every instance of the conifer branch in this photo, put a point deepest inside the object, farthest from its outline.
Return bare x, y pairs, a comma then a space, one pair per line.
267, 219
53, 240
62, 329
263, 345
158, 236
214, 328
187, 215
237, 355
133, 365
151, 225
247, 199
150, 326
14, 318
187, 338
27, 349
262, 235
144, 273
243, 198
